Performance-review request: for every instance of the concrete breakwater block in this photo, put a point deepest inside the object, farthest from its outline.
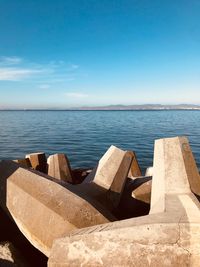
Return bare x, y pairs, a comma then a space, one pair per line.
59, 168
43, 209
168, 236
106, 181
38, 161
142, 190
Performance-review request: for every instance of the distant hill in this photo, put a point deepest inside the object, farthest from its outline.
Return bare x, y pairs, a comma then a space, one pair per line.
143, 107
120, 107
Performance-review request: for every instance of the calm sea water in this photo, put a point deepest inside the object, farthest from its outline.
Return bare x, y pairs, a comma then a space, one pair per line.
85, 135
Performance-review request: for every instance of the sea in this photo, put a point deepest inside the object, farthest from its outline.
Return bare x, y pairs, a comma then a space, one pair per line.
84, 136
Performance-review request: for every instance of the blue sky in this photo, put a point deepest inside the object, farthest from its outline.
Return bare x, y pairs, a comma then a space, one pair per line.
76, 53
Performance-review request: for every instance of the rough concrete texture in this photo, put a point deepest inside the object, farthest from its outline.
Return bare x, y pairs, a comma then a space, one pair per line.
173, 159
59, 167
109, 177
168, 236
135, 170
38, 161
43, 209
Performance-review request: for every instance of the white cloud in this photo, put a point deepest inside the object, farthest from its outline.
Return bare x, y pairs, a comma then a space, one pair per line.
10, 60
16, 74
17, 69
76, 95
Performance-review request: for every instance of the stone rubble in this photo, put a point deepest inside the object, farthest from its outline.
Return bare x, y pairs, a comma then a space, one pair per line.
10, 256
110, 215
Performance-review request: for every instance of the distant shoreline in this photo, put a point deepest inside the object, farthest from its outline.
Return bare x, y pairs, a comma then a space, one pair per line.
2, 110
146, 107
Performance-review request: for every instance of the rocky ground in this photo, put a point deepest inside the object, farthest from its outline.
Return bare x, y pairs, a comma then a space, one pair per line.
15, 249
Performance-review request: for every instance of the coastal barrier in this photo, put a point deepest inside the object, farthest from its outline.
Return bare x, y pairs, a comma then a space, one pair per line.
114, 216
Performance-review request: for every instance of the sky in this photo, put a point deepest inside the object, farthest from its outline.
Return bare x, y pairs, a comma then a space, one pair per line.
60, 54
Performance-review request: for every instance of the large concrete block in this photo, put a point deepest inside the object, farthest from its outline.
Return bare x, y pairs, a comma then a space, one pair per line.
106, 182
59, 168
43, 209
173, 159
142, 190
168, 236
38, 161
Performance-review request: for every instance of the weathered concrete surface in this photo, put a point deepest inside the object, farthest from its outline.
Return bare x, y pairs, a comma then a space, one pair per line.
106, 182
38, 161
168, 236
59, 168
173, 159
135, 170
43, 209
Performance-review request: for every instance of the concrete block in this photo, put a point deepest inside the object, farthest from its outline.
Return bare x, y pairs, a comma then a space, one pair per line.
173, 160
38, 161
106, 181
168, 236
42, 208
135, 170
142, 191
59, 168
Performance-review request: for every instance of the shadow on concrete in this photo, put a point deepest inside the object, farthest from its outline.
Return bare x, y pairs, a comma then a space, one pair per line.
130, 207
8, 228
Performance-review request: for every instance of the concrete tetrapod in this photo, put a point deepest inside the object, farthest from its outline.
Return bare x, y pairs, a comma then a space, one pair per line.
106, 182
38, 161
42, 208
168, 236
59, 167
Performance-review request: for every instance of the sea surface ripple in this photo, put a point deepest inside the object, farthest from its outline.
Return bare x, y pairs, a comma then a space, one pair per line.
85, 135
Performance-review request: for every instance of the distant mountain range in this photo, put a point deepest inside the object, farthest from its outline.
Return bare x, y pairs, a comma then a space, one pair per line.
121, 107
143, 107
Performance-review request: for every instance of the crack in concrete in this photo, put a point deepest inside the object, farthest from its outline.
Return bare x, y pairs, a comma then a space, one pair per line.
179, 239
